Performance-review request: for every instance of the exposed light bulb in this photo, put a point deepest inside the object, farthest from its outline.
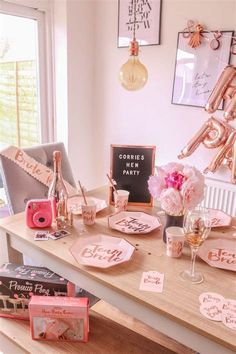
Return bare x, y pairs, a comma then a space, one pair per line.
133, 74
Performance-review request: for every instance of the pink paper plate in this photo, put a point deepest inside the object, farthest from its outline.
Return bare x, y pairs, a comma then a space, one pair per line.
133, 222
219, 218
74, 203
102, 251
220, 253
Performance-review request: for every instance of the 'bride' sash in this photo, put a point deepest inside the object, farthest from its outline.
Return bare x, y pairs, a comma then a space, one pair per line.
34, 168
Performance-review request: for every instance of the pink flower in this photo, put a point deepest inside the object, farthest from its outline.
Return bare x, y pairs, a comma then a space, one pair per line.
192, 192
173, 167
171, 201
177, 187
193, 172
174, 180
156, 184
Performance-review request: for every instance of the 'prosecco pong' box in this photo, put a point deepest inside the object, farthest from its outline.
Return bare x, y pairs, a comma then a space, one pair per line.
18, 283
59, 318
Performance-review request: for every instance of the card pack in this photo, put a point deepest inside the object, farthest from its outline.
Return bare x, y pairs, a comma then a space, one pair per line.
18, 283
59, 318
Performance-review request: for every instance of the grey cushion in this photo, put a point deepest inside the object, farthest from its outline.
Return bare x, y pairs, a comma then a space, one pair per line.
20, 186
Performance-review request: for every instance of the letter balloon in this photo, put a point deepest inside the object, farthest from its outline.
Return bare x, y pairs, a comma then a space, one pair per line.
218, 159
220, 88
217, 135
230, 111
195, 141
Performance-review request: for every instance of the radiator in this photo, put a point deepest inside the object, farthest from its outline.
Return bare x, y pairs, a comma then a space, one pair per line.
220, 195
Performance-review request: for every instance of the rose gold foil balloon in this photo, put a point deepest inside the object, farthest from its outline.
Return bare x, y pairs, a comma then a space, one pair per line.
233, 165
218, 159
195, 141
231, 90
220, 88
230, 162
230, 110
212, 134
217, 135
228, 159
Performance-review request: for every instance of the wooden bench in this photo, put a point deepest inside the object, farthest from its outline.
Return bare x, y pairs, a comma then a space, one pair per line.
111, 331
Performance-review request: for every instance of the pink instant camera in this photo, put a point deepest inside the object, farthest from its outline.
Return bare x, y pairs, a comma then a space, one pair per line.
38, 213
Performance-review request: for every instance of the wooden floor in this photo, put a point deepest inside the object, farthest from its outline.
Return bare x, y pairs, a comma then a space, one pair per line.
122, 336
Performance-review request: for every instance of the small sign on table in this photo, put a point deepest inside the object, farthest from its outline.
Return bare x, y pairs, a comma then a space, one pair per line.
131, 166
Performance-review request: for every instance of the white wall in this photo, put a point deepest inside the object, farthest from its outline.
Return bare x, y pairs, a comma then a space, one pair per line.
74, 82
101, 112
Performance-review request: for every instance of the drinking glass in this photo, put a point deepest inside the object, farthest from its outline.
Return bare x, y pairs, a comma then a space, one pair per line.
197, 226
75, 208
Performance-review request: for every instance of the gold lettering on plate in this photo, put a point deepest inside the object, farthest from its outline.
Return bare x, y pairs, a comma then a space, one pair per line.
221, 255
97, 251
133, 224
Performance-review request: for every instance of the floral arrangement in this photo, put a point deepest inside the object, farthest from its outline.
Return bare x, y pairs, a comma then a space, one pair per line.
177, 187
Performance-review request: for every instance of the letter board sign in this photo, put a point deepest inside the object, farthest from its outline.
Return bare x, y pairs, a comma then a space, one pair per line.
131, 166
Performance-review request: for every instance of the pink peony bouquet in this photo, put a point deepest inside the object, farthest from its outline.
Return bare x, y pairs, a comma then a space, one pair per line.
177, 187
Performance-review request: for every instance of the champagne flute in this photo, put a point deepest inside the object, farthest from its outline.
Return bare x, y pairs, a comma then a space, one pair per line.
197, 226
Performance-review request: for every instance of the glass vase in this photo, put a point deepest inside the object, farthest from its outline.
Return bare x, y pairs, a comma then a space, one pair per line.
172, 220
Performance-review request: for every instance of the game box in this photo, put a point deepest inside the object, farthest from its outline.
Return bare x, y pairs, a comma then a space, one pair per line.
18, 283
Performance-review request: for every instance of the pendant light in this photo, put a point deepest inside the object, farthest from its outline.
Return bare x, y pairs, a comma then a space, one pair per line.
133, 74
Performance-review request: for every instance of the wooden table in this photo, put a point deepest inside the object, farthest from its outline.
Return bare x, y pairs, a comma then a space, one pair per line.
174, 312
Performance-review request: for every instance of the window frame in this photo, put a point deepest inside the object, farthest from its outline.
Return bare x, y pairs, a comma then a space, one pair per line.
45, 72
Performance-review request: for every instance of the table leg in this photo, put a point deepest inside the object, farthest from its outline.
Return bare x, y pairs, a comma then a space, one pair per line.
7, 253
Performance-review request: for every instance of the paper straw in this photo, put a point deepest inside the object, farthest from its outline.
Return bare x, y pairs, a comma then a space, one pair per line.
112, 184
82, 190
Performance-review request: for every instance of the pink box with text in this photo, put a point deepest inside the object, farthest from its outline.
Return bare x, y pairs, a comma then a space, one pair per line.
59, 318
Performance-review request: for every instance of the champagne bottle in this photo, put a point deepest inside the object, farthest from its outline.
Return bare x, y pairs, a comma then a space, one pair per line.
57, 193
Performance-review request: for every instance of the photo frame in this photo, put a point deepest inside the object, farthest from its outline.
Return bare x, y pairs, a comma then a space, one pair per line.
198, 69
130, 168
148, 22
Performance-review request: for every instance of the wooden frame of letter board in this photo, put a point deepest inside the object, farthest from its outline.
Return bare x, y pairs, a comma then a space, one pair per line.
124, 182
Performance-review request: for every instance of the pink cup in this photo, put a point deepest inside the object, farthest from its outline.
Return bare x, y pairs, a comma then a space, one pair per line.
121, 198
174, 241
89, 213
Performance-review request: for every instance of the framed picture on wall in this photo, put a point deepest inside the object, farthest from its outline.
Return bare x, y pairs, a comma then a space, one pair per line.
147, 24
198, 69
130, 168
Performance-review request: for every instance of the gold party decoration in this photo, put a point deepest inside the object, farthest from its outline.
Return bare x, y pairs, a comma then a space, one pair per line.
195, 38
224, 89
217, 133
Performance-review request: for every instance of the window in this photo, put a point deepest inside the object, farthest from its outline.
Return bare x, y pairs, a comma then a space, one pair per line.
23, 89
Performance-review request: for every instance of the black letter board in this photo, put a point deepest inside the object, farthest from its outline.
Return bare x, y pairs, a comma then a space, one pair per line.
131, 167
